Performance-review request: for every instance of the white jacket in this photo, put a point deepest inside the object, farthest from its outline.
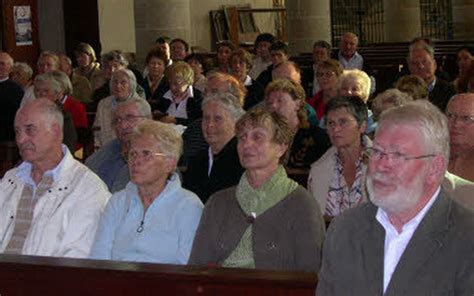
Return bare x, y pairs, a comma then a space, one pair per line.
65, 219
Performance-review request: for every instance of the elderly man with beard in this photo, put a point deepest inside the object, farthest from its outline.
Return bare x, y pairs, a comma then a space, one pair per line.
412, 238
109, 162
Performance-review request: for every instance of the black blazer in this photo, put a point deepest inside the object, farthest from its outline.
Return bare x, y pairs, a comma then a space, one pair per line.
226, 171
441, 93
193, 107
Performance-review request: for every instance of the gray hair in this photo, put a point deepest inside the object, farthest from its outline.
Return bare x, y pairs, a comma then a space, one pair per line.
132, 80
391, 95
50, 112
57, 80
427, 118
168, 138
228, 101
425, 47
114, 56
25, 68
359, 76
142, 105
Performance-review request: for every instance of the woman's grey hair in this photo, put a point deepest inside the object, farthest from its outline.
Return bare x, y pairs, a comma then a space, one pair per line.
25, 68
358, 76
114, 56
228, 101
393, 96
429, 121
132, 80
58, 81
168, 138
142, 105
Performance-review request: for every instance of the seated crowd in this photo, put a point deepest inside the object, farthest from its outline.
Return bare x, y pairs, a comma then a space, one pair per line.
246, 164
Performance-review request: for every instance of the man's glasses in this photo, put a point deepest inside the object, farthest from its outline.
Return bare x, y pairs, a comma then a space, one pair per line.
394, 157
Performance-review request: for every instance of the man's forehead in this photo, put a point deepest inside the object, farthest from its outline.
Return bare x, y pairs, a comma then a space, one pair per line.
465, 101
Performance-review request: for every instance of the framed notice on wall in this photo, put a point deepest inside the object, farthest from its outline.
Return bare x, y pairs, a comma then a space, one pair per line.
23, 28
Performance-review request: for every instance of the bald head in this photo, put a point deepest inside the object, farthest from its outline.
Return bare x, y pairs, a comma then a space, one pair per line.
349, 44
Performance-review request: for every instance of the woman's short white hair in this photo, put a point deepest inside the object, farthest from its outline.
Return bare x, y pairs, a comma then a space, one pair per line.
358, 76
391, 95
132, 80
25, 68
58, 81
430, 122
168, 138
228, 101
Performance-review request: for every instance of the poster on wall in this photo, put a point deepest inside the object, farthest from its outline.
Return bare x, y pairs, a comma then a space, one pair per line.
22, 20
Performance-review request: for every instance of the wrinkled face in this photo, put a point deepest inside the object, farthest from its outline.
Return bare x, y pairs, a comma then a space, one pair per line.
156, 67
343, 129
349, 45
397, 185
460, 114
177, 86
283, 104
35, 136
278, 57
218, 126
146, 162
126, 118
352, 87
120, 86
464, 60
238, 66
46, 64
83, 60
178, 51
327, 78
257, 150
111, 67
5, 65
19, 76
320, 54
263, 50
422, 65
43, 89
223, 55
196, 66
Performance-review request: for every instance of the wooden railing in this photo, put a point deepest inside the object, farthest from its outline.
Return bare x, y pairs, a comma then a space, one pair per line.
30, 275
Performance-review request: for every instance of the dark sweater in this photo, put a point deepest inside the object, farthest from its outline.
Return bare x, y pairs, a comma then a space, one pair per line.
10, 100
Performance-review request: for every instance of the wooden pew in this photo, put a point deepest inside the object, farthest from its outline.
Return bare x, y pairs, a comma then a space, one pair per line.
31, 275
9, 156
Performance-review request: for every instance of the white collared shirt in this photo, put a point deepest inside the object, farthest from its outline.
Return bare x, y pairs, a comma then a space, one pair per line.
316, 87
211, 161
355, 62
396, 243
4, 79
179, 110
248, 81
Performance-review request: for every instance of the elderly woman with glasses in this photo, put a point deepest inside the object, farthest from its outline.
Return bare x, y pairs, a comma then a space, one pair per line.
181, 104
267, 221
287, 98
122, 87
218, 167
337, 179
153, 219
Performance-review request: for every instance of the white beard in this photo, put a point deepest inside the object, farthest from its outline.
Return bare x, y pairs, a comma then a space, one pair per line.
402, 199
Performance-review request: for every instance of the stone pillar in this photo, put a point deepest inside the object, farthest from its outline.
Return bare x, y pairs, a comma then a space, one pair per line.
51, 25
402, 20
463, 20
307, 21
154, 18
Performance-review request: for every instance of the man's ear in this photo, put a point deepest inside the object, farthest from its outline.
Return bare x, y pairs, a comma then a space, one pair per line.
437, 168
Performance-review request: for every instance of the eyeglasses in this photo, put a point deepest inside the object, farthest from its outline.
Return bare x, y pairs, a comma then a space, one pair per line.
328, 74
394, 157
146, 155
127, 119
465, 119
342, 122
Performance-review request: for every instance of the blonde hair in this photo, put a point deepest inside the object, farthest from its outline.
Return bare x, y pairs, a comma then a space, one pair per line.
181, 70
358, 76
